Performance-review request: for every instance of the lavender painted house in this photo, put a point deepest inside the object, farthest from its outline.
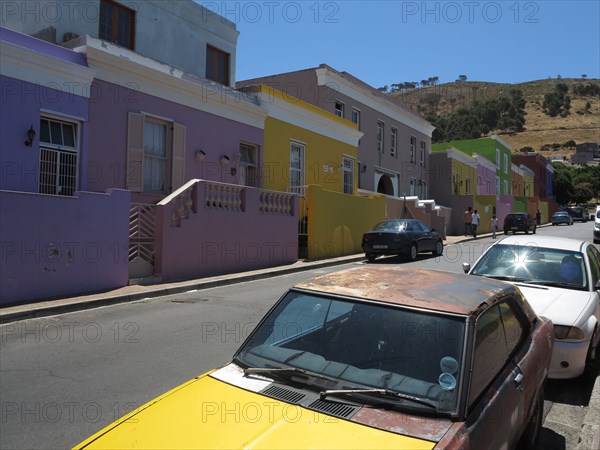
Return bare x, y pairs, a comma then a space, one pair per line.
56, 239
486, 175
393, 154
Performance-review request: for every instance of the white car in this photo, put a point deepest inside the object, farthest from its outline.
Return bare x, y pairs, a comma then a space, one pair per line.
560, 278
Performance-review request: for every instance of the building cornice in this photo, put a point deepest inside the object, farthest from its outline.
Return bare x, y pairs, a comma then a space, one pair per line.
128, 69
327, 77
497, 138
461, 157
298, 113
34, 67
484, 162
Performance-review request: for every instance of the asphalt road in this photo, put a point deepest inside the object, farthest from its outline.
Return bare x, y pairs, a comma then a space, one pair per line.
64, 377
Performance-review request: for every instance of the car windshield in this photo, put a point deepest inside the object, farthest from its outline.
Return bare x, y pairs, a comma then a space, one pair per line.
535, 265
392, 225
360, 345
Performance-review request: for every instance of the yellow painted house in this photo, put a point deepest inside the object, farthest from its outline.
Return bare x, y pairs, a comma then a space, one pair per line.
306, 145
463, 172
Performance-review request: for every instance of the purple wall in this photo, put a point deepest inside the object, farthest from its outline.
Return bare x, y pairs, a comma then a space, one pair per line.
55, 246
215, 135
21, 104
487, 183
212, 242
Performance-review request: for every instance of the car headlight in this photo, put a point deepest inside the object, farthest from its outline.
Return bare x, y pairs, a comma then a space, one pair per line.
564, 332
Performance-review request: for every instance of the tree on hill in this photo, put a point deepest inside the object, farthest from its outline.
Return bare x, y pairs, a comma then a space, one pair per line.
557, 102
462, 78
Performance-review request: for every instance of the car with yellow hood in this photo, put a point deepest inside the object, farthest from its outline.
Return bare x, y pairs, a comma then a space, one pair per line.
370, 357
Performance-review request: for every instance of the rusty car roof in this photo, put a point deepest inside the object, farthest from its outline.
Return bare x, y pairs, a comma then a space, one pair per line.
420, 288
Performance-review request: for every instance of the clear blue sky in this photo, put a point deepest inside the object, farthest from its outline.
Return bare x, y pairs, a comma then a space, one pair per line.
385, 42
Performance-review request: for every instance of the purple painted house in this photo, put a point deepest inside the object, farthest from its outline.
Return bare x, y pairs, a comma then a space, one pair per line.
486, 175
56, 240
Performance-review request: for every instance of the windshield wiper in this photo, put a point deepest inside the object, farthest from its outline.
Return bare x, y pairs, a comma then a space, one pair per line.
376, 391
557, 284
507, 278
278, 371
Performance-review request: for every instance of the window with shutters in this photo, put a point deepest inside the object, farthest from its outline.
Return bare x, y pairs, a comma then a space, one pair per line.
58, 157
297, 167
155, 154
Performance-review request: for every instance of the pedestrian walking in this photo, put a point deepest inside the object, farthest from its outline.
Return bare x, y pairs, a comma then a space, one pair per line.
538, 217
467, 217
474, 223
494, 223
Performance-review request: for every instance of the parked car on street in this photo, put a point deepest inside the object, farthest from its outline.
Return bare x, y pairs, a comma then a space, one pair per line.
401, 237
371, 357
560, 278
562, 217
519, 222
579, 213
597, 228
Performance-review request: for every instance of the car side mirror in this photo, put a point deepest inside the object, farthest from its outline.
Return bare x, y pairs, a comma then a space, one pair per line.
466, 267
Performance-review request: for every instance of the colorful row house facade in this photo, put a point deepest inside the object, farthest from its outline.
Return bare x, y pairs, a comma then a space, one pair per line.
505, 183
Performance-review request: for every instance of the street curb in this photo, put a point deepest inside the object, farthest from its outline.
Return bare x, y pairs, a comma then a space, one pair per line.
589, 436
79, 305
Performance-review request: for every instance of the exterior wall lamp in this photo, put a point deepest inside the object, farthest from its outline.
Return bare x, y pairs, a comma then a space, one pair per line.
224, 160
200, 155
30, 137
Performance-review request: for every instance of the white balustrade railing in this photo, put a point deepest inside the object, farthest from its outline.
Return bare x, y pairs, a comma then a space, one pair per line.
223, 196
271, 202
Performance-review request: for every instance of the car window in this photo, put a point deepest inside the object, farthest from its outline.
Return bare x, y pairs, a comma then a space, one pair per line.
594, 257
536, 265
391, 225
424, 227
490, 353
513, 327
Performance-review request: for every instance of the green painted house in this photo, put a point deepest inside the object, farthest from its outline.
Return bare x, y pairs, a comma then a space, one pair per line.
493, 148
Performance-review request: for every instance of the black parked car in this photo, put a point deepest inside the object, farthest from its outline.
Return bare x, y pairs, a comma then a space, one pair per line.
519, 222
579, 213
401, 237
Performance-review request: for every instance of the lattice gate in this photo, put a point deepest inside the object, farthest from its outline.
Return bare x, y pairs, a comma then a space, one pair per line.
141, 240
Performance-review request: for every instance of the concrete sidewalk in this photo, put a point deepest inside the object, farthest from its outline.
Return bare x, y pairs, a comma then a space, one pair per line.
139, 292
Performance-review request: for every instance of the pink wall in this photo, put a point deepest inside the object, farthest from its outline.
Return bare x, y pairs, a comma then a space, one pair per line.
214, 241
54, 246
504, 206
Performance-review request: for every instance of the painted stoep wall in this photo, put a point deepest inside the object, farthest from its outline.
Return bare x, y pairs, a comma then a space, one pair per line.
229, 239
485, 206
504, 206
215, 135
54, 246
543, 207
322, 158
519, 204
336, 222
532, 206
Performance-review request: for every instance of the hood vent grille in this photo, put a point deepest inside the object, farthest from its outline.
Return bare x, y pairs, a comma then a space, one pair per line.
333, 408
284, 394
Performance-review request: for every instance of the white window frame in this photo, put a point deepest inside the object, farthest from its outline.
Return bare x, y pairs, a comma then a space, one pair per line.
356, 117
455, 184
498, 158
505, 163
65, 164
413, 148
248, 169
348, 165
412, 187
340, 111
393, 141
467, 186
422, 150
505, 187
380, 136
149, 185
296, 183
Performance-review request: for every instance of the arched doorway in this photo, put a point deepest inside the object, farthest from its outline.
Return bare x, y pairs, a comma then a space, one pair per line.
385, 185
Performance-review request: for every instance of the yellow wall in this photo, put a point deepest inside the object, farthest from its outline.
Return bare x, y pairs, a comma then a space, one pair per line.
336, 222
485, 204
465, 171
528, 186
323, 157
543, 206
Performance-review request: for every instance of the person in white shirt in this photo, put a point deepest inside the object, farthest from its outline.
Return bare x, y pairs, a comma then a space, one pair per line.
494, 223
474, 223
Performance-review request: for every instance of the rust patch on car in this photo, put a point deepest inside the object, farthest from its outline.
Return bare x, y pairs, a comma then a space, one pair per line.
421, 288
428, 428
